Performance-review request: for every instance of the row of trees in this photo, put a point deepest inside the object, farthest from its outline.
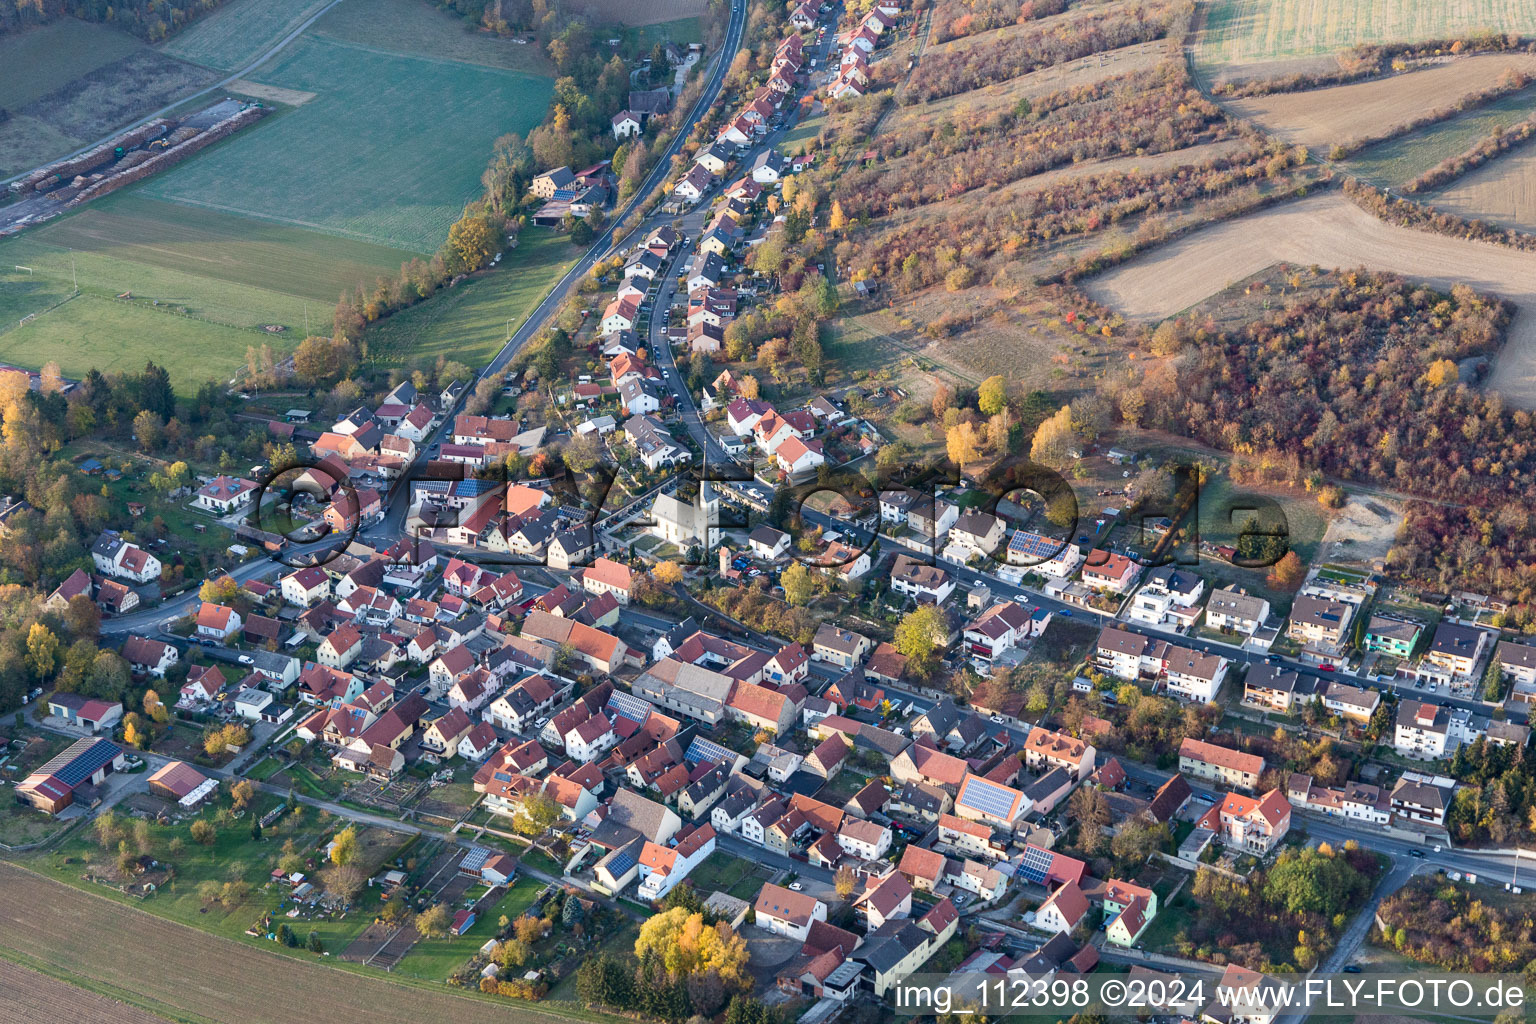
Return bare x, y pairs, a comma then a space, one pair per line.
953, 19
1155, 110
151, 20
958, 69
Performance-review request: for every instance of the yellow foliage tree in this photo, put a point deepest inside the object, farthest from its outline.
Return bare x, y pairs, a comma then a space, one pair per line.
837, 221
687, 946
668, 574
963, 444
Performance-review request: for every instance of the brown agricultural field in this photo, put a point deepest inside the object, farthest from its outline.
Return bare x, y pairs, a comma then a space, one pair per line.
202, 976
27, 997
1330, 231
1502, 191
628, 12
1323, 117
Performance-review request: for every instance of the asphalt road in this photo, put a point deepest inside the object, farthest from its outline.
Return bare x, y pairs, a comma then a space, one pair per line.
604, 242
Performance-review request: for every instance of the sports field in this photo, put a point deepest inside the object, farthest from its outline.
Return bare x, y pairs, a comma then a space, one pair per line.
1250, 31
240, 31
388, 152
132, 231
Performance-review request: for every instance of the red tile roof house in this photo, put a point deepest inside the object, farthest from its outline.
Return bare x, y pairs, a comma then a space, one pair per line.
217, 621
1111, 572
86, 713
783, 912
225, 494
605, 576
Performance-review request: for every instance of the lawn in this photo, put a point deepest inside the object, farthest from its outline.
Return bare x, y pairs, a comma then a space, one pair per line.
240, 31
723, 872
470, 323
388, 152
1400, 160
435, 959
90, 332
1243, 31
422, 30
242, 269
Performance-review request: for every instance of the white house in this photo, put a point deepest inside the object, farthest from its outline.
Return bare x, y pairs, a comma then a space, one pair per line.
225, 494
788, 913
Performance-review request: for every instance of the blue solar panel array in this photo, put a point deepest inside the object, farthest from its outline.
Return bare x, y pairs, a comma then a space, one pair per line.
622, 862
1033, 545
988, 797
1036, 866
702, 749
83, 759
627, 705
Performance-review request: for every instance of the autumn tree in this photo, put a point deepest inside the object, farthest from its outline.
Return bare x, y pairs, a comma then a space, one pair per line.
344, 850
992, 396
668, 573
220, 590
920, 635
345, 880
843, 882
1288, 573
42, 651
798, 583
536, 813
434, 922
962, 443
1054, 439
155, 708
473, 240
203, 832
686, 946
242, 792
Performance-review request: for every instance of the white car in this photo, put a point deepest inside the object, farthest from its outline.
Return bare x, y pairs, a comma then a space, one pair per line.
796, 886
997, 718
246, 659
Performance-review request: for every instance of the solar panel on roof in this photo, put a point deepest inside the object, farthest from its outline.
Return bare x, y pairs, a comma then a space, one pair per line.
627, 705
80, 761
1036, 865
1034, 545
702, 749
988, 798
621, 863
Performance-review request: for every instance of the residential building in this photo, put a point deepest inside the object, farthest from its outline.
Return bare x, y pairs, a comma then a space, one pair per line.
788, 913
1250, 824
1214, 763
1237, 611
1421, 730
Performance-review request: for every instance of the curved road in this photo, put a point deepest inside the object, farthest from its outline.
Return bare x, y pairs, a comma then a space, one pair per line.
603, 242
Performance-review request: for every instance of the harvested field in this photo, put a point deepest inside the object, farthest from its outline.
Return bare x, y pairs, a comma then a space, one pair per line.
1502, 191
27, 996
1330, 231
1244, 31
627, 12
206, 976
271, 93
388, 153
1323, 117
1002, 96
240, 31
424, 30
40, 60
92, 105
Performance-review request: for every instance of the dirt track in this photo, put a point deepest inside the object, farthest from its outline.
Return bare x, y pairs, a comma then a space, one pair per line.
1322, 117
1330, 231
